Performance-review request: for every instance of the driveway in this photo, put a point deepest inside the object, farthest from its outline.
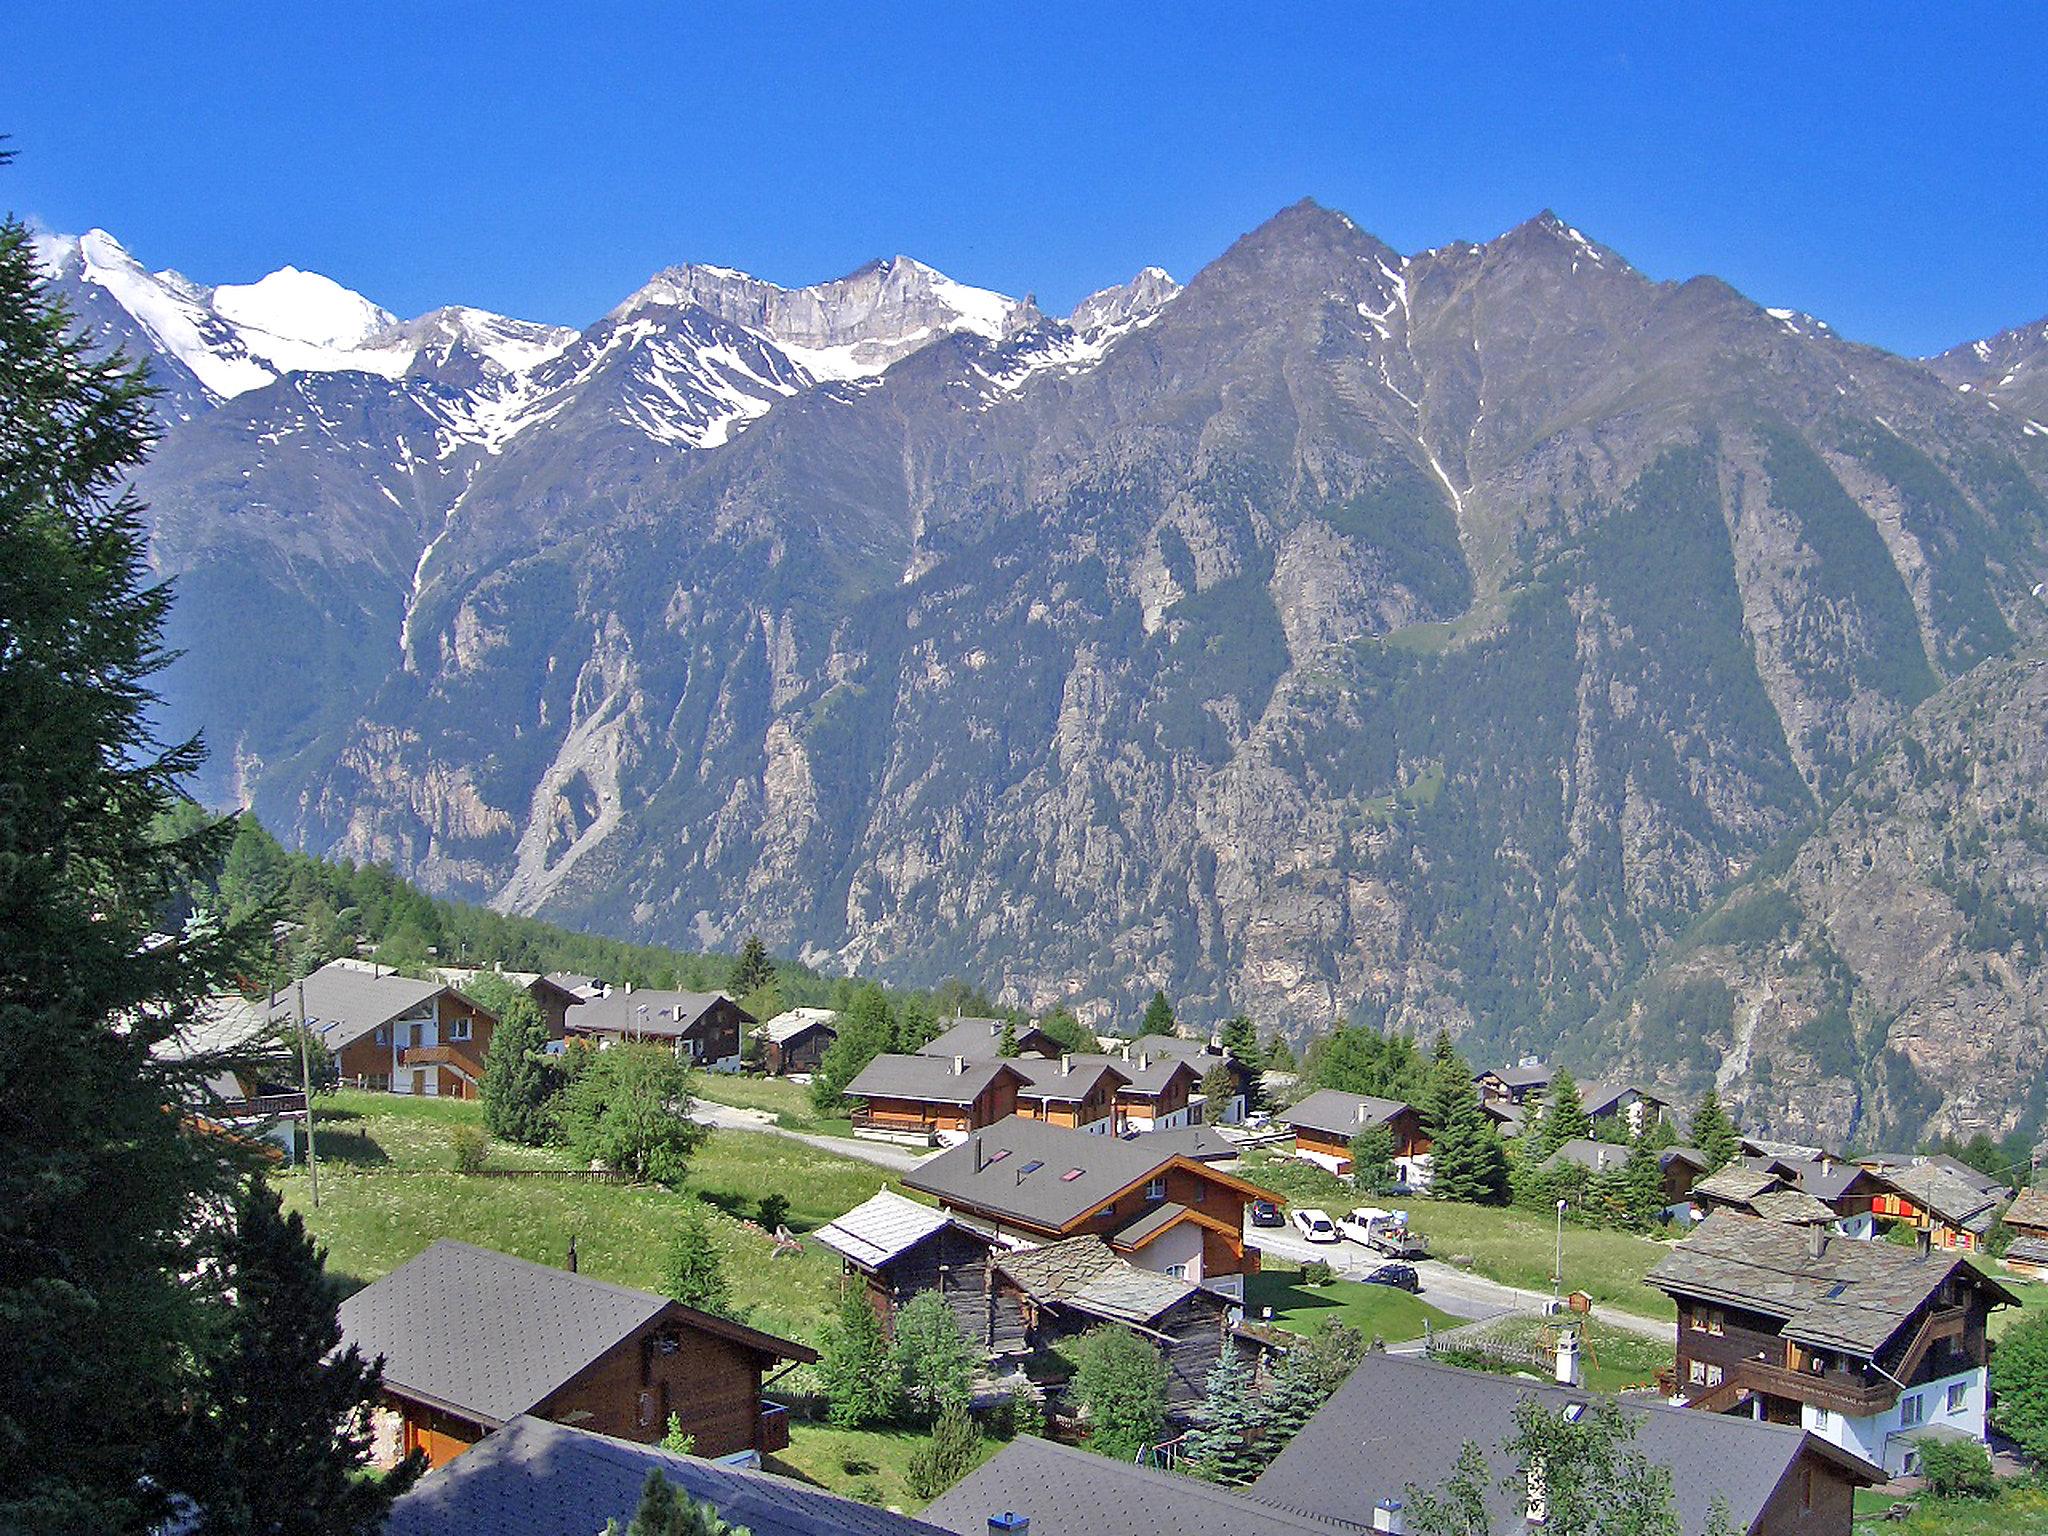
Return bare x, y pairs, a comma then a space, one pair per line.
1456, 1291
725, 1117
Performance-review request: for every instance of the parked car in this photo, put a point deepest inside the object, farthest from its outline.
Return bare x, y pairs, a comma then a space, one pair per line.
1266, 1213
1401, 1277
1316, 1226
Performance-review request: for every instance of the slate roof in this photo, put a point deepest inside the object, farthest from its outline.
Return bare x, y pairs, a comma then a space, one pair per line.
345, 1003
1854, 1297
883, 1227
1070, 1492
930, 1079
1795, 1207
1024, 1168
1070, 1078
1398, 1420
2028, 1250
1055, 1271
1691, 1156
1336, 1113
1082, 1273
490, 1336
536, 1478
1597, 1156
1935, 1188
1128, 1294
1830, 1179
791, 1022
2029, 1208
1738, 1184
645, 1011
979, 1039
1976, 1178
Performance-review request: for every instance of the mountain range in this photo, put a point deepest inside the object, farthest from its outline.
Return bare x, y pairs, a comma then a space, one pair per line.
1487, 638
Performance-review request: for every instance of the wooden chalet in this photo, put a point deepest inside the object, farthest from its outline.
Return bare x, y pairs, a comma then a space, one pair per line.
1868, 1345
392, 1032
898, 1248
926, 1099
1952, 1202
1203, 1058
1527, 1079
2027, 1217
796, 1040
982, 1040
472, 1338
554, 997
1157, 1093
1325, 1122
1627, 1104
1027, 1182
703, 1028
1069, 1091
250, 1090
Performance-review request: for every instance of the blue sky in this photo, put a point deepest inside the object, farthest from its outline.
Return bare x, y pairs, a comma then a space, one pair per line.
1884, 167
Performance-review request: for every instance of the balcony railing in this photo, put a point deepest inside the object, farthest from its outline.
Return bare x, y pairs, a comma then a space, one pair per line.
1857, 1400
462, 1058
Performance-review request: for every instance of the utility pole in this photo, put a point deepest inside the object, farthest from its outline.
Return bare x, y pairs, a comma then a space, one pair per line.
1557, 1269
306, 1084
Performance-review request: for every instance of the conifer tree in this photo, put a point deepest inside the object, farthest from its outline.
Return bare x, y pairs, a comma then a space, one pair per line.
1219, 1087
1223, 1449
1158, 1018
1713, 1132
753, 969
1240, 1039
1006, 1044
855, 1366
1372, 1159
1564, 1117
695, 1271
665, 1512
866, 1029
517, 1086
101, 1174
947, 1455
1467, 1161
278, 1438
1279, 1054
930, 1357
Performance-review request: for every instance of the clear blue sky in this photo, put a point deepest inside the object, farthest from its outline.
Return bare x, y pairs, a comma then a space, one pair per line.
1885, 167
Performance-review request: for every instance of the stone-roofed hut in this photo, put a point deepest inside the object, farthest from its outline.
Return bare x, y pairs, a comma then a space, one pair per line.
898, 1248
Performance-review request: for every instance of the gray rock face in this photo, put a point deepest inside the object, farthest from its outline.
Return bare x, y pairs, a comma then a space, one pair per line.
1423, 638
2010, 370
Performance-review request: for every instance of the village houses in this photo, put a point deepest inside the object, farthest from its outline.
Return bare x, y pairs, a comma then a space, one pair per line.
392, 1032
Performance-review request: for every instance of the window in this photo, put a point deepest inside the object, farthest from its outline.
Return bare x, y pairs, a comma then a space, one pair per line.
1911, 1411
1201, 1192
1155, 1189
1703, 1373
1823, 1419
459, 1030
1707, 1320
1177, 1271
383, 1034
1958, 1396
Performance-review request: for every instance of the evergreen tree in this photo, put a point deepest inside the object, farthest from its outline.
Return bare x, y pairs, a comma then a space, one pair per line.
1564, 1117
1158, 1018
1642, 1184
1713, 1132
695, 1271
1279, 1054
930, 1357
1361, 1060
866, 1029
1224, 1448
629, 1109
947, 1456
101, 1175
665, 1512
1219, 1087
1467, 1160
2019, 1385
1659, 1134
854, 1367
277, 1439
1240, 1040
1070, 1032
1372, 1160
518, 1086
1121, 1386
753, 970
1006, 1044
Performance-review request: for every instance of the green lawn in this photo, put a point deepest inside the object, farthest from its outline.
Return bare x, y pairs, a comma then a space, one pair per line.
2015, 1511
869, 1464
2032, 1294
789, 1103
1614, 1358
387, 1192
1377, 1311
1512, 1246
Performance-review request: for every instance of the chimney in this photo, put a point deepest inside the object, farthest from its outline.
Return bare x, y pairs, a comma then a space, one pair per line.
1568, 1358
1009, 1523
959, 1066
629, 989
1144, 1058
1361, 1114
1816, 1240
974, 1141
1391, 1517
1923, 1241
572, 1253
1066, 1066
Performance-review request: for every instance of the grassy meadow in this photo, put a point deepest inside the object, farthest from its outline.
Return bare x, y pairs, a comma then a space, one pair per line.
1377, 1311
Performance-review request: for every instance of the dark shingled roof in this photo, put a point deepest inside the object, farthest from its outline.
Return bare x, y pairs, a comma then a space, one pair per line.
2029, 1208
1070, 1078
1145, 1072
1199, 1143
1007, 1184
1082, 1273
1738, 1184
1070, 1492
979, 1039
1399, 1420
1952, 1199
1337, 1113
1597, 1156
344, 1002
1535, 1074
657, 1015
489, 1336
930, 1079
1854, 1297
1793, 1206
2028, 1250
536, 1478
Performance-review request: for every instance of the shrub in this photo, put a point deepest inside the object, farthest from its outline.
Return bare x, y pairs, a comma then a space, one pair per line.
1957, 1469
947, 1456
774, 1211
2019, 1385
1317, 1272
468, 1147
1121, 1384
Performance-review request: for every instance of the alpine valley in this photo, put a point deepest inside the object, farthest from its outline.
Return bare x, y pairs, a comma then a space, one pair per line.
1490, 638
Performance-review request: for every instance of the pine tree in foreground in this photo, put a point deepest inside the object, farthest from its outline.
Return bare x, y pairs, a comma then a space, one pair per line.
854, 1367
947, 1456
278, 1438
1224, 1448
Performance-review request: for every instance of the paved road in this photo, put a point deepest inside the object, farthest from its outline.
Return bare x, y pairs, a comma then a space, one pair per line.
1452, 1290
727, 1118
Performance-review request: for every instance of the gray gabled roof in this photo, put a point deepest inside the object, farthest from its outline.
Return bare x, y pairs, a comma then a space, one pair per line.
979, 1039
1043, 1175
1737, 1183
489, 1336
1197, 1143
2029, 1208
1144, 1073
536, 1478
656, 1015
1398, 1421
1597, 1098
792, 1022
1855, 1297
1337, 1113
929, 1079
883, 1227
1070, 1492
345, 1002
1596, 1156
1067, 1079
1523, 1074
1954, 1200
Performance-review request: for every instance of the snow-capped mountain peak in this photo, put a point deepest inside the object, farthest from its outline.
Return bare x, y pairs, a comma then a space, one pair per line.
302, 307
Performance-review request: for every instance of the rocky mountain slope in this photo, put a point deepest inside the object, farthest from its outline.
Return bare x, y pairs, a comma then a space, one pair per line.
1428, 637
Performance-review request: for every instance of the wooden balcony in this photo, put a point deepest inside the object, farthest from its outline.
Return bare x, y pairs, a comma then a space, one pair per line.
774, 1428
1853, 1399
462, 1058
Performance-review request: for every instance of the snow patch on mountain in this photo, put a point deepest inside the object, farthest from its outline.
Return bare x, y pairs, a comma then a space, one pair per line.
302, 307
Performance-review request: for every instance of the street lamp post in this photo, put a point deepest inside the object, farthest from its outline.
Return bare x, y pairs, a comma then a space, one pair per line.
1557, 1267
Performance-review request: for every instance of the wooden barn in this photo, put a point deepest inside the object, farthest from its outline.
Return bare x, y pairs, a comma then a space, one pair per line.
898, 1248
